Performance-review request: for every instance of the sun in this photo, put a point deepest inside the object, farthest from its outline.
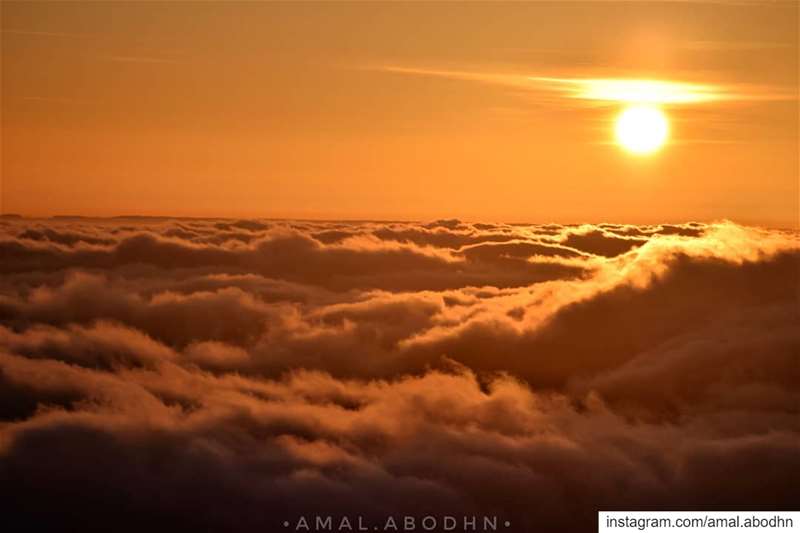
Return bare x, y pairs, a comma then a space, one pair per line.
642, 129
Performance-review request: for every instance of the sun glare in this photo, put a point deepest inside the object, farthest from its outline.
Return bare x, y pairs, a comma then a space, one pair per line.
642, 129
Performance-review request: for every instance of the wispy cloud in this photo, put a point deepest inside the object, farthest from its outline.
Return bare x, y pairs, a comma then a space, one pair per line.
154, 56
654, 91
141, 59
632, 90
55, 99
733, 46
35, 33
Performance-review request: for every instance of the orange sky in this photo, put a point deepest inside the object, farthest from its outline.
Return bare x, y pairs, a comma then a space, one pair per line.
423, 110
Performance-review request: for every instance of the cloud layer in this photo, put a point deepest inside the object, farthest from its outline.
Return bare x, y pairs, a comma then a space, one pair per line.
229, 375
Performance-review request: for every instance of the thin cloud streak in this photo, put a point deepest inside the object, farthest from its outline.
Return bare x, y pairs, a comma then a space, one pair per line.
34, 33
55, 99
611, 89
141, 59
733, 46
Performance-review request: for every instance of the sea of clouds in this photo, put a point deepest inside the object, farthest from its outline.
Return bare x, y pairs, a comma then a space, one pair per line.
223, 375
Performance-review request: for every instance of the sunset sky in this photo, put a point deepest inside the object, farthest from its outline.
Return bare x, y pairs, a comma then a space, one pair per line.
283, 261
486, 111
